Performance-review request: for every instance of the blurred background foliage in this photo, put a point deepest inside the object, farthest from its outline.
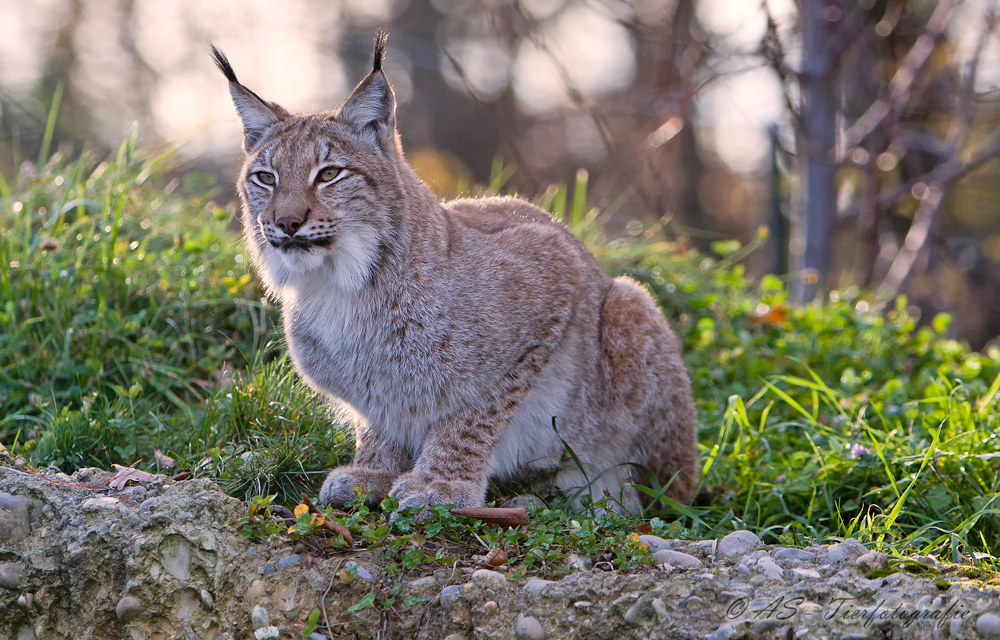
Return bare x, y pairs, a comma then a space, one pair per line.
666, 104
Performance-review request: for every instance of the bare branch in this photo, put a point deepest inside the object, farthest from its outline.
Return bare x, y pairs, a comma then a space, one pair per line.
902, 82
944, 174
913, 245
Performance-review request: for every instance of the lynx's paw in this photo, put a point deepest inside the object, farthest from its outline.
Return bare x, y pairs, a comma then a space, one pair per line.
339, 486
413, 490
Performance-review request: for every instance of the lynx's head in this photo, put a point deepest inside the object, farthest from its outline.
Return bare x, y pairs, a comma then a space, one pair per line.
320, 191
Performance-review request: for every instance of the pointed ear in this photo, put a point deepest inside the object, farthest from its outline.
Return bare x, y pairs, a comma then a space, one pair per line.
370, 110
257, 114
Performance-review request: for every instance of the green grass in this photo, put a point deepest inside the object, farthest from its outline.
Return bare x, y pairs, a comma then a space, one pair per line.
129, 322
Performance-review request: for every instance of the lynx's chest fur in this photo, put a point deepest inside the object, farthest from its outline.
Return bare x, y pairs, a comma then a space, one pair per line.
455, 335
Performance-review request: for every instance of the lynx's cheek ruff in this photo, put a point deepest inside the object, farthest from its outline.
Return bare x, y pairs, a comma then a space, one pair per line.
452, 336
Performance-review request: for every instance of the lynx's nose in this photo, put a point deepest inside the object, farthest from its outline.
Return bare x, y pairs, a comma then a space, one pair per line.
288, 225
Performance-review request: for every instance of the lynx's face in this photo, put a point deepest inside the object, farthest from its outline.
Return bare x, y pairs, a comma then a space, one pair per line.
319, 190
314, 198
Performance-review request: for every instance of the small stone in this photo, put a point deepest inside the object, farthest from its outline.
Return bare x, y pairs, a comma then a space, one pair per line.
806, 573
316, 636
770, 568
737, 543
26, 600
849, 549
485, 575
268, 569
659, 608
655, 543
450, 595
256, 591
85, 474
10, 575
956, 628
761, 627
361, 572
129, 608
787, 553
527, 501
722, 633
535, 586
528, 627
422, 584
491, 607
872, 561
97, 504
207, 600
677, 559
456, 636
290, 561
582, 604
259, 618
988, 624
579, 563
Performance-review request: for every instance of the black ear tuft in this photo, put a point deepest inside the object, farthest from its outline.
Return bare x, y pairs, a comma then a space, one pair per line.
222, 62
378, 55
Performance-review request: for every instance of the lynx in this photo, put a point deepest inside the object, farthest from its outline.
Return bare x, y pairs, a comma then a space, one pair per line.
464, 340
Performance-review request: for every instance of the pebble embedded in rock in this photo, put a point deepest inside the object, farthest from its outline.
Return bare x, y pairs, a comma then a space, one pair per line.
259, 618
450, 595
806, 573
722, 633
738, 542
316, 636
422, 584
290, 561
849, 549
788, 553
988, 624
770, 568
528, 627
655, 543
256, 591
456, 636
535, 586
97, 504
485, 575
871, 561
677, 559
491, 607
129, 608
10, 575
207, 600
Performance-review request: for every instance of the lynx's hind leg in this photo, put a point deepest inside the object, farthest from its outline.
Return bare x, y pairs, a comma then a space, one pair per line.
649, 389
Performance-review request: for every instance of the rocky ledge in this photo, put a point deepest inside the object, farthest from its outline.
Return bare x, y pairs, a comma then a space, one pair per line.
163, 559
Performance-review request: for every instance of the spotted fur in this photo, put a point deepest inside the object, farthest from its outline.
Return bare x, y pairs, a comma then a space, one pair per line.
452, 335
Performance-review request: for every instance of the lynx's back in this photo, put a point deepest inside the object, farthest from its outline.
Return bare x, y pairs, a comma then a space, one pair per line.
455, 335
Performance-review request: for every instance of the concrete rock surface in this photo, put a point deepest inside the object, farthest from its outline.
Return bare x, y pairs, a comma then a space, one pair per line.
170, 561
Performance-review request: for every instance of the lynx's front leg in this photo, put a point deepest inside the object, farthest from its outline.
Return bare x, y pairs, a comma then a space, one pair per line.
456, 459
377, 464
454, 464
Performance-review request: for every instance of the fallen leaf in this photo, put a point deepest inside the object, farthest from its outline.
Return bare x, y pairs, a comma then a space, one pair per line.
496, 557
126, 475
163, 459
644, 528
502, 516
777, 316
336, 528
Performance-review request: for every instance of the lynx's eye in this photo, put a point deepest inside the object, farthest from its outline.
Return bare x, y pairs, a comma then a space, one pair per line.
264, 178
328, 174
